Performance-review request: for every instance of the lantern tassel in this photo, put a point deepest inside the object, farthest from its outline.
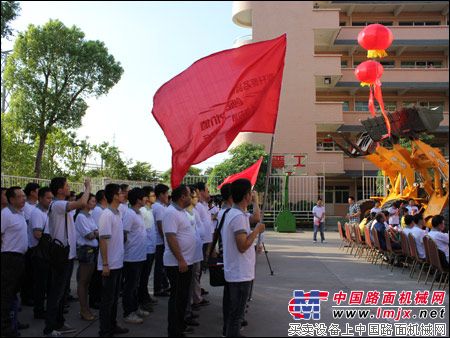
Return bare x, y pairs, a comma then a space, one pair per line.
376, 53
379, 97
371, 103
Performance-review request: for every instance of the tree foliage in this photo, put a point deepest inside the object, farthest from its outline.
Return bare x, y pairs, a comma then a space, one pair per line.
51, 72
142, 171
10, 10
242, 157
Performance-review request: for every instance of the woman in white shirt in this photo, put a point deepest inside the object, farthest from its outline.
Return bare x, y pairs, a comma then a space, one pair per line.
87, 247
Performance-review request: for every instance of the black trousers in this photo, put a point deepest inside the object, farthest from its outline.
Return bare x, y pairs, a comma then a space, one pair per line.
235, 297
132, 275
179, 295
54, 319
26, 290
12, 270
41, 275
143, 295
159, 276
108, 305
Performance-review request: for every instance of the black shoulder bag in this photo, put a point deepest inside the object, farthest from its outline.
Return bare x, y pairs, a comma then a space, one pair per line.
215, 264
42, 249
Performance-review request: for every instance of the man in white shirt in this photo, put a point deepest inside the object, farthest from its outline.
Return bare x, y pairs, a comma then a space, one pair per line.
123, 206
205, 216
179, 256
134, 257
409, 222
412, 208
160, 281
239, 256
377, 208
110, 261
439, 236
61, 228
102, 204
14, 244
319, 217
26, 292
41, 266
419, 234
394, 214
145, 300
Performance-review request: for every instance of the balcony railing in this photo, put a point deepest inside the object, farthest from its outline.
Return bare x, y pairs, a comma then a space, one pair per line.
243, 40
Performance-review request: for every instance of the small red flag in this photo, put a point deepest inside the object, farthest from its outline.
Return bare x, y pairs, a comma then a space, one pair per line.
204, 108
251, 174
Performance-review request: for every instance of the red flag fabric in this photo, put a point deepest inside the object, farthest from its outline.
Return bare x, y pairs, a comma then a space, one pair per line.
204, 108
251, 174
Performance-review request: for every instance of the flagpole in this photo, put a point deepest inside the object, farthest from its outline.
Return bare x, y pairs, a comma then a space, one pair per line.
264, 205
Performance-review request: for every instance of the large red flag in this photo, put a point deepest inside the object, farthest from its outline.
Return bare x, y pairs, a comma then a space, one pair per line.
204, 108
251, 174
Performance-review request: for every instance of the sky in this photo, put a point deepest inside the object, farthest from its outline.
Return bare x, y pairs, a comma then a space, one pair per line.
153, 41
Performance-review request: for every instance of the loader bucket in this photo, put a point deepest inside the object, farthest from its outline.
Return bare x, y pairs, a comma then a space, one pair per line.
406, 122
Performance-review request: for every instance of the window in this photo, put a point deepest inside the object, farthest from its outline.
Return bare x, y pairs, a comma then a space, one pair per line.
324, 143
361, 106
388, 64
406, 23
356, 63
342, 23
344, 64
359, 193
432, 104
432, 23
329, 194
345, 106
389, 106
409, 103
341, 194
420, 64
419, 23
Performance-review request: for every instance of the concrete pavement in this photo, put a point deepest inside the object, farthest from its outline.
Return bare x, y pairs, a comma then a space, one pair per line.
299, 264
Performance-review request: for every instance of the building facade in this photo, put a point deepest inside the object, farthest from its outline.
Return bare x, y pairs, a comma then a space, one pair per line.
320, 94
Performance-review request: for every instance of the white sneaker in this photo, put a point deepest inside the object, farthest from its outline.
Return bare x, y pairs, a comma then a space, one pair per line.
314, 241
324, 241
54, 333
133, 318
142, 313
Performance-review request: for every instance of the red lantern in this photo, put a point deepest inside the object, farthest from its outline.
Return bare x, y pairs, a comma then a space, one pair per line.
375, 39
369, 72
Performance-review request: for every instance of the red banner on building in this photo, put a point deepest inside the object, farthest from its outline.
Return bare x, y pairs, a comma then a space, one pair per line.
203, 109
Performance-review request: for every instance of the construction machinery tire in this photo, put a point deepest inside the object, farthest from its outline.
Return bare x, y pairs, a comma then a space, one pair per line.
365, 206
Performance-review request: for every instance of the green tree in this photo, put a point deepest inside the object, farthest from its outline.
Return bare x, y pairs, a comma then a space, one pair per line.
10, 10
142, 171
51, 72
242, 157
113, 166
193, 171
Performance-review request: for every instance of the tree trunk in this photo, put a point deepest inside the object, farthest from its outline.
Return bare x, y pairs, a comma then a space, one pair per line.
40, 152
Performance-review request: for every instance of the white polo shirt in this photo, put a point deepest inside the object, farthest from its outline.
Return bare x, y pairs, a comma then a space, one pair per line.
319, 211
85, 225
38, 221
394, 217
111, 226
14, 231
135, 246
441, 240
123, 207
207, 223
57, 229
98, 210
149, 222
419, 234
195, 221
375, 210
176, 222
158, 214
412, 210
27, 210
238, 267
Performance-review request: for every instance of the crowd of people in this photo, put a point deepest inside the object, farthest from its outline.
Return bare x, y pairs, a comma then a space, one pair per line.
118, 236
401, 218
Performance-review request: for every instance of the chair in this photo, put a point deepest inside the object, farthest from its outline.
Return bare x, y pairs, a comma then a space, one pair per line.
414, 254
391, 252
341, 235
405, 248
427, 257
348, 234
380, 250
436, 262
371, 249
359, 241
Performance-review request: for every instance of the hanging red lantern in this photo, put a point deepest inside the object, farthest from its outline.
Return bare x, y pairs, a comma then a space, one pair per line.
369, 72
375, 39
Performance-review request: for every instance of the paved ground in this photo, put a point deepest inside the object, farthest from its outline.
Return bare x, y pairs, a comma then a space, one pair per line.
298, 265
